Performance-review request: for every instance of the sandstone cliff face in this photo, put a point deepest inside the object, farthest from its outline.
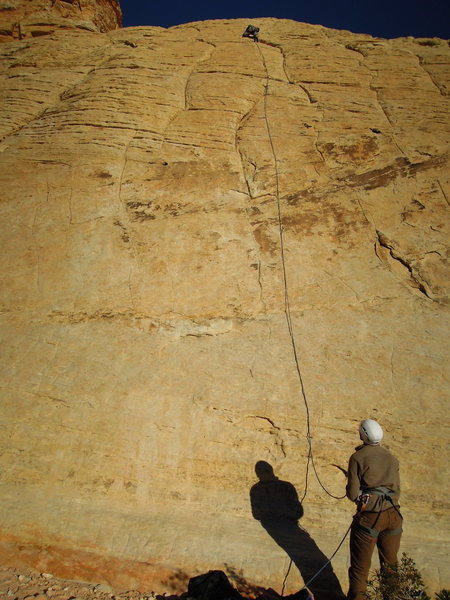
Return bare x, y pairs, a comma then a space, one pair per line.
21, 19
147, 365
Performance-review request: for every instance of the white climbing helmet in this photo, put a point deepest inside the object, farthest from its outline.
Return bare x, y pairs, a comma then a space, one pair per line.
370, 432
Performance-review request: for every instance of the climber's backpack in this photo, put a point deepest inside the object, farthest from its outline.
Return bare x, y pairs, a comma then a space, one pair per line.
213, 585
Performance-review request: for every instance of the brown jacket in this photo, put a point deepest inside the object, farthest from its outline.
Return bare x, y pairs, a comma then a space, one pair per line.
370, 467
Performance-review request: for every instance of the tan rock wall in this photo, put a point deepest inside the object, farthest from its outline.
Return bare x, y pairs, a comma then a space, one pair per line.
21, 19
147, 365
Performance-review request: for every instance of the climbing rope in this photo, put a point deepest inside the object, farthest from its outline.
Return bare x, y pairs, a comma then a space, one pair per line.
285, 578
287, 307
305, 587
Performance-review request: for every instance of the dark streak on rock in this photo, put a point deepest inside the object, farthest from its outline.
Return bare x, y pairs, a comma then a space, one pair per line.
125, 235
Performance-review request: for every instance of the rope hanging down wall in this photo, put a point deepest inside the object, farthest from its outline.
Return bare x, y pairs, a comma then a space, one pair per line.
287, 308
287, 311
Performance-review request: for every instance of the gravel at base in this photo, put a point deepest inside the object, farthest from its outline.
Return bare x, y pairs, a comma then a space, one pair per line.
30, 585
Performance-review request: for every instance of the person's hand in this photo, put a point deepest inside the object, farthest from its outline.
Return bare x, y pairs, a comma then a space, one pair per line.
341, 469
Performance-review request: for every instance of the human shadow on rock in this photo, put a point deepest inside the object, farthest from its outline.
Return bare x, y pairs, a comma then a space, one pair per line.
276, 505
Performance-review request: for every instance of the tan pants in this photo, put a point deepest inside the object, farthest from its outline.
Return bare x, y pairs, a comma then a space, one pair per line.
388, 524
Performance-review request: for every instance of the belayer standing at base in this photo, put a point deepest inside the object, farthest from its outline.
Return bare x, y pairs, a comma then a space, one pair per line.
373, 482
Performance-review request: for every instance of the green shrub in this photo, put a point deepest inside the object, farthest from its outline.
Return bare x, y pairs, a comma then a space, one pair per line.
403, 582
443, 595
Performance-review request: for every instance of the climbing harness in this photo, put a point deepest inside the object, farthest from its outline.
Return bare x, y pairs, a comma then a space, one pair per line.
384, 494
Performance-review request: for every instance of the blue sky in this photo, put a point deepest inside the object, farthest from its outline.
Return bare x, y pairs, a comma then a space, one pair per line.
382, 18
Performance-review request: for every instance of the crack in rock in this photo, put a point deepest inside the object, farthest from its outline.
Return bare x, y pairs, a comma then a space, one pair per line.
275, 431
415, 278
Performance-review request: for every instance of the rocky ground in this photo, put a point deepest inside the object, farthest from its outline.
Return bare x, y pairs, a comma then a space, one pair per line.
31, 585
